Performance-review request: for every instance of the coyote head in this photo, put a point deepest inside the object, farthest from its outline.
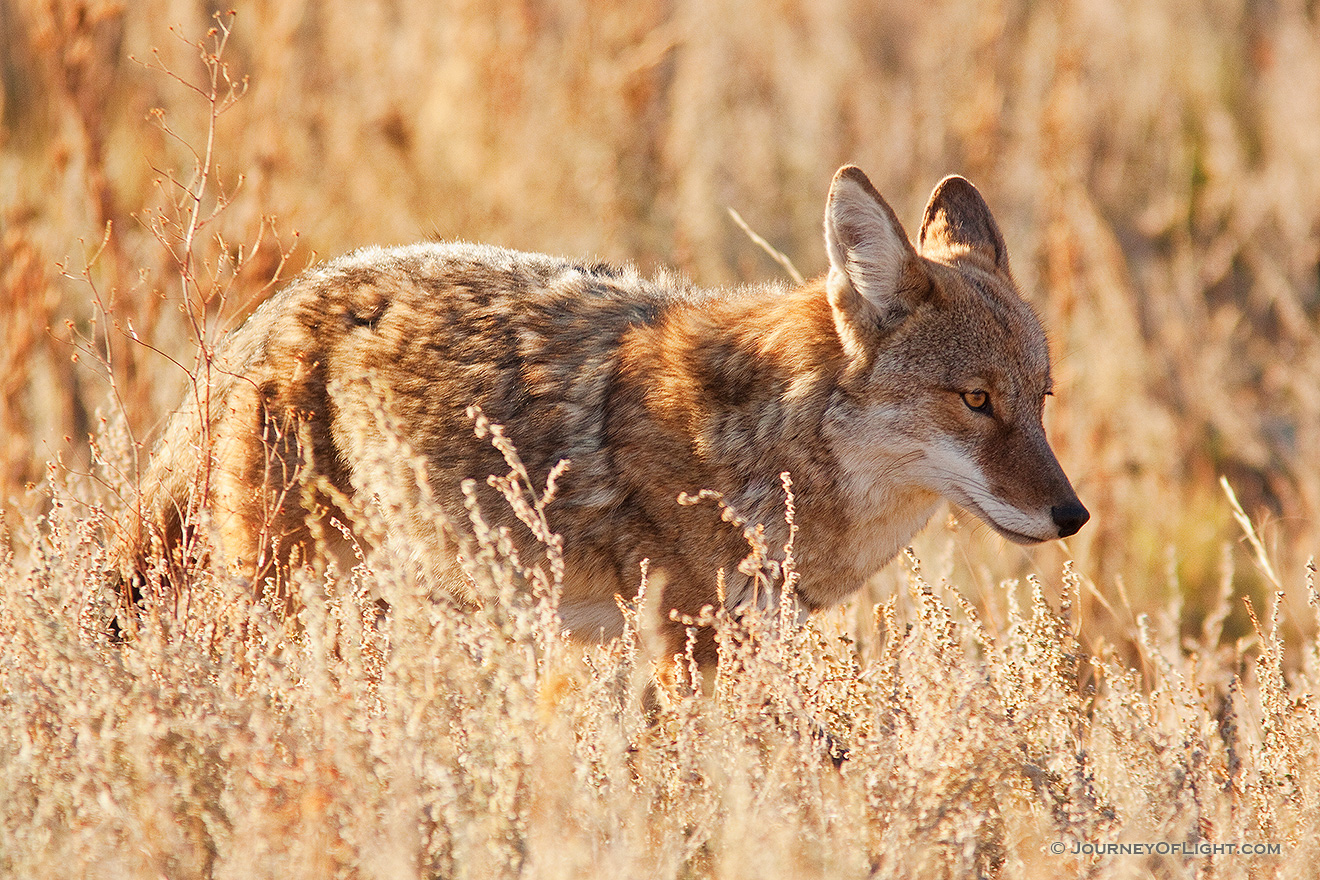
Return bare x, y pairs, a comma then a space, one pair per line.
947, 366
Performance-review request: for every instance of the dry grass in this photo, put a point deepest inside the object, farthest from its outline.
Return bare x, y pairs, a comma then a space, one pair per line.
227, 742
1155, 167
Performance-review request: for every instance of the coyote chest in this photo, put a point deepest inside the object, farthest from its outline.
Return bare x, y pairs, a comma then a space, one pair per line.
906, 374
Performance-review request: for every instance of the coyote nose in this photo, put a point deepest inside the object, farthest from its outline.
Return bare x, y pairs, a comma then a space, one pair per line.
1069, 517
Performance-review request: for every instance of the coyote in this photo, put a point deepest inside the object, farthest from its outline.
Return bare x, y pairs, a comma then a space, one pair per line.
905, 375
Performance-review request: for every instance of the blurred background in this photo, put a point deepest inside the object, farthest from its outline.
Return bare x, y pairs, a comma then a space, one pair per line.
1154, 164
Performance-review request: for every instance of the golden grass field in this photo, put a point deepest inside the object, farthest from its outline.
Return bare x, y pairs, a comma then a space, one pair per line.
1155, 165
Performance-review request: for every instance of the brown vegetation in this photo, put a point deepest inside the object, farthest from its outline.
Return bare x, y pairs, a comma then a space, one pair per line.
1154, 167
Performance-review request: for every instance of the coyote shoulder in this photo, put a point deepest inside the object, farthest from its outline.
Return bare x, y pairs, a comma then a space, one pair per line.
907, 374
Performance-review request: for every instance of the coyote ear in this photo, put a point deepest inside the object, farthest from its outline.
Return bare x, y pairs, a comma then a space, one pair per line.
958, 223
874, 270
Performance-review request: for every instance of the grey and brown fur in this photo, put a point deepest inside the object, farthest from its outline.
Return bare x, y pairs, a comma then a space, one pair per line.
866, 385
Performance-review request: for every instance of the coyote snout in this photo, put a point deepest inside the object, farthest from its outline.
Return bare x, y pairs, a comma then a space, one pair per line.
909, 372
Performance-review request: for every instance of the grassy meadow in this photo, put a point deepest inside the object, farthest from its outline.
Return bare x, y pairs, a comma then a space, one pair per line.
1140, 701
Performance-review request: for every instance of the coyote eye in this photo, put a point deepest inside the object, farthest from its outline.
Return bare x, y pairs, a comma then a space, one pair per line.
977, 401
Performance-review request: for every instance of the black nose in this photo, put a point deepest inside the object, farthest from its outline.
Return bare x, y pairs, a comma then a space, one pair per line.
1069, 517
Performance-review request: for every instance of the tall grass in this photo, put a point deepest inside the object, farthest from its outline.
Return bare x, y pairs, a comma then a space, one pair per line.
1155, 168
225, 741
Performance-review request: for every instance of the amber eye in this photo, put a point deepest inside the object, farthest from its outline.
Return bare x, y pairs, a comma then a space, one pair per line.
977, 401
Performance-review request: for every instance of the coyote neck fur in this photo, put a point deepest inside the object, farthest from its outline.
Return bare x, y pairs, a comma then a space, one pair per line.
741, 389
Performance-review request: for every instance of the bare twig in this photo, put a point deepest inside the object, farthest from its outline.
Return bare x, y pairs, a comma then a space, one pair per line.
775, 254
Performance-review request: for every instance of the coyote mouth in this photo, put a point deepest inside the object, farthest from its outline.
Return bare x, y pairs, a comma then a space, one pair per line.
1010, 534
1015, 537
